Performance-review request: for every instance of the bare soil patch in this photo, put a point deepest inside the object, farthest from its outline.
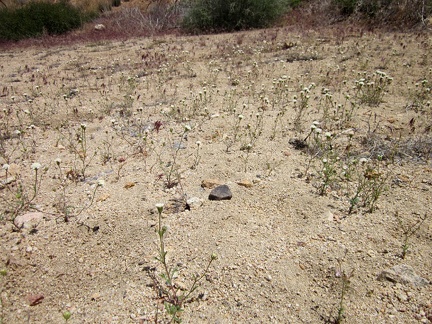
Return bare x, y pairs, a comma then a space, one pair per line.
116, 114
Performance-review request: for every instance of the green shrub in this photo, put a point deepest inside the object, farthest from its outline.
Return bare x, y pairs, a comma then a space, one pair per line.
36, 18
346, 7
115, 3
393, 12
229, 15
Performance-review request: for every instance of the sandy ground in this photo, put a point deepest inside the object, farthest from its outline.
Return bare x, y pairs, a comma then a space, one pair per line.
116, 116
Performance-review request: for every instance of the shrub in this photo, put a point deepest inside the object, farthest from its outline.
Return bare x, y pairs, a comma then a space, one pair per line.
115, 3
346, 7
229, 15
36, 18
407, 13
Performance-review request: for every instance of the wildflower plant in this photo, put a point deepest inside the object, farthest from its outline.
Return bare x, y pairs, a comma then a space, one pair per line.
172, 296
301, 104
21, 196
170, 166
78, 145
345, 278
137, 133
235, 133
3, 274
365, 179
197, 155
64, 206
420, 96
336, 115
370, 183
408, 230
370, 89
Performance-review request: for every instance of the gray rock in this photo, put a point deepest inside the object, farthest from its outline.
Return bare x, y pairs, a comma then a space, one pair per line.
27, 219
403, 274
194, 202
6, 182
211, 183
99, 27
222, 192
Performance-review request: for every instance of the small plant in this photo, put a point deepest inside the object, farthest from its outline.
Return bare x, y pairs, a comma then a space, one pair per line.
197, 156
173, 298
231, 139
345, 279
3, 273
67, 315
408, 230
171, 168
327, 175
22, 198
371, 89
420, 96
64, 207
247, 150
327, 169
79, 147
371, 183
301, 104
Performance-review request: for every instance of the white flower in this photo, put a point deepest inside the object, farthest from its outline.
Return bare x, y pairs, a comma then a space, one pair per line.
325, 161
83, 126
58, 161
101, 183
198, 143
5, 166
240, 117
318, 130
160, 207
328, 134
313, 126
187, 128
18, 132
36, 166
315, 122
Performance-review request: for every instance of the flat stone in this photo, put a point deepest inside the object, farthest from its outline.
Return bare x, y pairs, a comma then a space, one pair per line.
35, 299
194, 202
22, 220
104, 197
99, 27
245, 183
222, 192
403, 274
211, 183
6, 182
129, 185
